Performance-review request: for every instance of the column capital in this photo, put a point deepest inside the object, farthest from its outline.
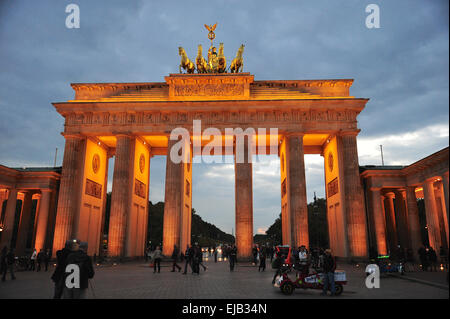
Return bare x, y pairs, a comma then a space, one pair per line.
375, 189
72, 136
46, 190
349, 133
389, 195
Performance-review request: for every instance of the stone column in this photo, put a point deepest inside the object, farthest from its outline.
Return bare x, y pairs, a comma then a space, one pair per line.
413, 221
68, 201
297, 191
244, 201
8, 223
172, 203
402, 222
445, 190
379, 220
391, 223
120, 196
354, 197
434, 231
42, 219
442, 210
24, 224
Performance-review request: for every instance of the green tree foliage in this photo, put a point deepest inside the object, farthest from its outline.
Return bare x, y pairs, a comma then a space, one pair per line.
204, 233
317, 225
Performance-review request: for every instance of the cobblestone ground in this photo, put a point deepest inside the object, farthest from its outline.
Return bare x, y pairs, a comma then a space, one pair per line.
137, 280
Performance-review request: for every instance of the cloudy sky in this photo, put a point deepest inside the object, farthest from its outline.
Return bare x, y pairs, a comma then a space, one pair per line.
402, 67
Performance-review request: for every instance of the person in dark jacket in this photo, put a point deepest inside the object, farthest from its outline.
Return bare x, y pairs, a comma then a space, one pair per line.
215, 254
277, 264
329, 266
262, 258
79, 258
432, 258
255, 254
8, 260
175, 254
58, 274
423, 258
188, 259
40, 259
233, 257
48, 255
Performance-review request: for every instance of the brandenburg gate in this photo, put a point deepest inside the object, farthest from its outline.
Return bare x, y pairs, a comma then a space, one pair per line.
133, 122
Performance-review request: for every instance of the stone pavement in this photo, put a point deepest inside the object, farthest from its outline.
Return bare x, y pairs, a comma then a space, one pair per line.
137, 280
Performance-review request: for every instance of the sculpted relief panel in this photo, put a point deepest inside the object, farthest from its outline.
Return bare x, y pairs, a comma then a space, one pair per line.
216, 117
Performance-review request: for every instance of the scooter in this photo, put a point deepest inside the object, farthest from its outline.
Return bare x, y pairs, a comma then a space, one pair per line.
310, 281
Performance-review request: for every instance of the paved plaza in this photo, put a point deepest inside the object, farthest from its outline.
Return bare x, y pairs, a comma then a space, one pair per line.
137, 280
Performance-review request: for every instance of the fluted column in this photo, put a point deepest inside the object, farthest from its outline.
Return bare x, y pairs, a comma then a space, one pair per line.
413, 221
445, 190
8, 223
68, 201
172, 203
379, 220
24, 223
443, 221
120, 196
42, 219
402, 222
391, 226
354, 198
434, 231
297, 191
244, 201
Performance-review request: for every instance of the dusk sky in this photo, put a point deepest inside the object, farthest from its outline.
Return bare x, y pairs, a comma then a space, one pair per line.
402, 67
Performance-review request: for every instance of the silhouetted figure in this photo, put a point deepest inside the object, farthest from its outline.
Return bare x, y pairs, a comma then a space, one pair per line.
175, 253
78, 257
262, 258
33, 260
58, 274
432, 257
40, 259
232, 257
188, 258
329, 266
157, 255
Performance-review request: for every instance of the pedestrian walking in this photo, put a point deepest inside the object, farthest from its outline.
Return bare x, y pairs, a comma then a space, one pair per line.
33, 260
262, 258
232, 256
423, 258
188, 259
40, 259
9, 260
215, 254
157, 255
79, 257
329, 266
48, 256
443, 255
175, 254
58, 274
432, 258
255, 254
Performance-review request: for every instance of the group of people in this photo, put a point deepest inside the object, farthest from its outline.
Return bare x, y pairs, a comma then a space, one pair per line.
428, 258
193, 257
302, 259
41, 258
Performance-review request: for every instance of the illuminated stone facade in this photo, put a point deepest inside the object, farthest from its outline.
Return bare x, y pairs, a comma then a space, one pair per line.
133, 121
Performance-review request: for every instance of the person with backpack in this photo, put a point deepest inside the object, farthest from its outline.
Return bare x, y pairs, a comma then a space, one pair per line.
329, 266
79, 257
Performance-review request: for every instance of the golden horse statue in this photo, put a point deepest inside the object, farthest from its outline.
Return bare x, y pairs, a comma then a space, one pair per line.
237, 65
222, 65
202, 66
185, 63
